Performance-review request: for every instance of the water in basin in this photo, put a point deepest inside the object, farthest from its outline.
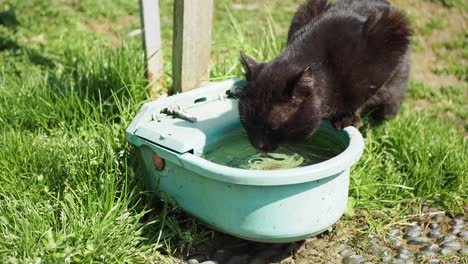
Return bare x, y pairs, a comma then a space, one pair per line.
234, 149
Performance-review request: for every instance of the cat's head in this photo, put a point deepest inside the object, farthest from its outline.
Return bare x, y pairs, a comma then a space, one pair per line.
279, 103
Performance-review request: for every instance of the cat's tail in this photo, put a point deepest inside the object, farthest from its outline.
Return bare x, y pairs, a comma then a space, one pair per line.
306, 13
388, 30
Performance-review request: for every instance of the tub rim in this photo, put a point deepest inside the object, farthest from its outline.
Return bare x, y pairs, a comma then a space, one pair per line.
315, 172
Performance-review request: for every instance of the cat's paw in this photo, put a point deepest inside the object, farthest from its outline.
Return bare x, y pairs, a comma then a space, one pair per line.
345, 121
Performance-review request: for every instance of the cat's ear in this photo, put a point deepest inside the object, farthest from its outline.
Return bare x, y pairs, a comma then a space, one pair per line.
250, 65
300, 87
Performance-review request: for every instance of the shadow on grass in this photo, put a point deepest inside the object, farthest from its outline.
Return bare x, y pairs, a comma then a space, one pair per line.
17, 50
8, 18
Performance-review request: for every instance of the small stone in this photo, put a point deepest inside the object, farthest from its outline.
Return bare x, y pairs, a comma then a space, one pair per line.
386, 259
385, 256
455, 230
431, 248
458, 222
341, 247
355, 259
196, 259
449, 238
438, 217
210, 262
434, 234
237, 259
402, 256
221, 255
426, 254
463, 234
412, 228
463, 251
452, 245
418, 241
347, 253
398, 261
394, 242
394, 232
434, 226
376, 249
433, 261
412, 233
367, 262
445, 251
405, 251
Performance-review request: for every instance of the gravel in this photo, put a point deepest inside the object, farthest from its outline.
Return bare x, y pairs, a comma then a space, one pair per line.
355, 259
437, 239
463, 235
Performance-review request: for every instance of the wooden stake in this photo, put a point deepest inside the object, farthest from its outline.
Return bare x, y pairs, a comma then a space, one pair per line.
192, 43
153, 46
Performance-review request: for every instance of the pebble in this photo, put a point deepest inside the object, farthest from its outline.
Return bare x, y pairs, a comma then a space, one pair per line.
341, 247
452, 245
347, 253
402, 256
355, 259
463, 234
394, 242
394, 232
418, 241
405, 251
438, 217
386, 257
237, 259
210, 262
449, 238
412, 228
376, 249
398, 261
463, 251
221, 255
433, 261
196, 259
445, 251
433, 225
412, 233
458, 222
427, 254
456, 229
431, 248
367, 262
434, 233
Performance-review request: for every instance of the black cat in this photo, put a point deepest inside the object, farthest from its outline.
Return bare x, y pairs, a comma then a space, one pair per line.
341, 59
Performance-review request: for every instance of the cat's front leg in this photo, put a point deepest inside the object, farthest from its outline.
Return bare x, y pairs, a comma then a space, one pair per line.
348, 119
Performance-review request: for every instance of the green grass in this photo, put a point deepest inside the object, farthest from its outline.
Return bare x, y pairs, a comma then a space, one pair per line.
70, 189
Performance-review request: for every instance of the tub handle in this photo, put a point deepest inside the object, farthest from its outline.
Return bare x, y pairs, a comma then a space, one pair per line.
177, 112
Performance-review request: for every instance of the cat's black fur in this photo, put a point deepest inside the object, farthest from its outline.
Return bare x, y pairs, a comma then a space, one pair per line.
340, 59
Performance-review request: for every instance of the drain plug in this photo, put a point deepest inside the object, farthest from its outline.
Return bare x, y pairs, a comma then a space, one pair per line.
158, 162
